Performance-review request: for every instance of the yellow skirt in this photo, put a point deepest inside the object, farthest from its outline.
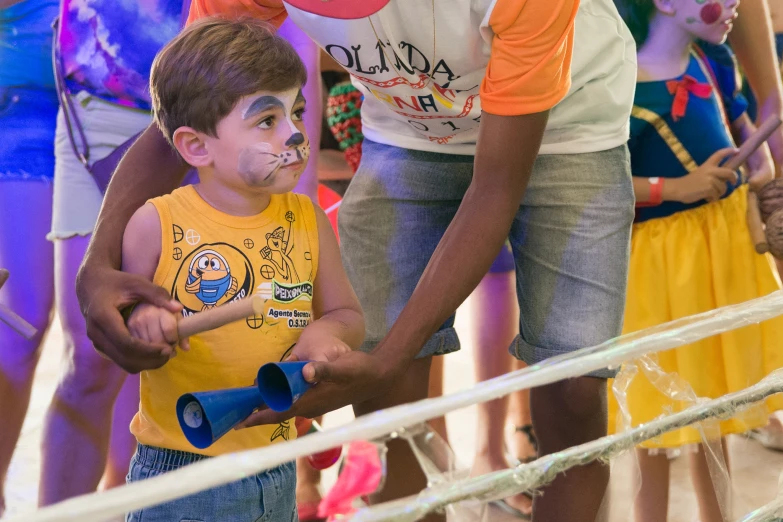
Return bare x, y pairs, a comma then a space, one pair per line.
692, 262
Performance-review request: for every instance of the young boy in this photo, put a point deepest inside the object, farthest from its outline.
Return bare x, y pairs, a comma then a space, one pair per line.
227, 95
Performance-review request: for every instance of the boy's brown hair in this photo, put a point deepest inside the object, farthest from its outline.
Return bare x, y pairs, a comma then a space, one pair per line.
198, 78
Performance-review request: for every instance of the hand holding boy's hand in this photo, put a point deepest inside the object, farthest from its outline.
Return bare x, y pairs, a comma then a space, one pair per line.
351, 378
103, 291
155, 325
707, 182
762, 168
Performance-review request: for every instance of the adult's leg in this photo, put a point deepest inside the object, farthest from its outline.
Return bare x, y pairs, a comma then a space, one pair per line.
652, 503
523, 443
29, 257
404, 475
393, 215
435, 389
495, 312
78, 422
122, 444
571, 242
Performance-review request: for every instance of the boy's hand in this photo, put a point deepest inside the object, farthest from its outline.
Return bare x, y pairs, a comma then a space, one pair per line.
707, 182
762, 168
318, 346
155, 325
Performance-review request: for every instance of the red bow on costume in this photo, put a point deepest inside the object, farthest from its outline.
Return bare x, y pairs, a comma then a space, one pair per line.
681, 91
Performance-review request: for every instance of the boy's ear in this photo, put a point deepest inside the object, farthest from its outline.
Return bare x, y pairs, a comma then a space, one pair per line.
191, 146
666, 7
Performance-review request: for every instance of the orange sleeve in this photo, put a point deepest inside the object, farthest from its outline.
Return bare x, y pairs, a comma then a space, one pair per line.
530, 63
272, 11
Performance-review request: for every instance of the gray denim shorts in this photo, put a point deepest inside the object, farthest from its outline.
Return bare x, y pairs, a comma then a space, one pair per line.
570, 241
269, 496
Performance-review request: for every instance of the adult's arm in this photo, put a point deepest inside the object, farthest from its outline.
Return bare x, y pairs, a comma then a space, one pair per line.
753, 42
150, 168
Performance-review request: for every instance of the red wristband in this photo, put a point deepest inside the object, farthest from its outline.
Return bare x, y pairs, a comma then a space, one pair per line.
656, 193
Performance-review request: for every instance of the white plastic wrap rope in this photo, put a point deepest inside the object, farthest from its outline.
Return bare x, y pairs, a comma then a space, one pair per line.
103, 506
530, 476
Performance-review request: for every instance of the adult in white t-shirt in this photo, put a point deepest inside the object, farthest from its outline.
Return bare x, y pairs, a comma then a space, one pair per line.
483, 120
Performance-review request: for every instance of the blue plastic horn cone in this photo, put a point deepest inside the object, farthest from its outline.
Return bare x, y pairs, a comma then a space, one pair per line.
281, 384
206, 416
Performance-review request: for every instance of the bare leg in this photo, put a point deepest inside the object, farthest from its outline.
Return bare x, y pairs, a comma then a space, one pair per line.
404, 475
709, 506
519, 415
78, 423
436, 390
29, 257
308, 480
652, 504
497, 316
122, 444
565, 414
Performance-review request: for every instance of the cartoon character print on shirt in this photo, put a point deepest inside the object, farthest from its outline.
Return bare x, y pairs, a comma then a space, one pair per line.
209, 278
278, 251
211, 275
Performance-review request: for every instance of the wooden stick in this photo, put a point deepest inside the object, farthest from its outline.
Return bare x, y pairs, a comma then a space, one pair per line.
10, 318
753, 216
762, 134
220, 315
21, 326
755, 226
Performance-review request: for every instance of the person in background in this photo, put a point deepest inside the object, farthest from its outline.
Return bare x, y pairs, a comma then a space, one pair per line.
495, 314
688, 111
28, 110
104, 51
770, 436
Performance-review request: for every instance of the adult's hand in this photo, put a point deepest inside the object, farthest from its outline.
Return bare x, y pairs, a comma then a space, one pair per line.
103, 293
338, 384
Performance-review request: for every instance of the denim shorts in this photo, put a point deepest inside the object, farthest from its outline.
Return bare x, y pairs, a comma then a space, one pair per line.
570, 242
269, 496
27, 122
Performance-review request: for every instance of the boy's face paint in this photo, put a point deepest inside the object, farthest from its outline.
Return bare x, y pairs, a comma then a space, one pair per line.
266, 138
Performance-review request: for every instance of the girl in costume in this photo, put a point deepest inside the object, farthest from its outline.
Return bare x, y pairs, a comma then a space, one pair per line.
691, 250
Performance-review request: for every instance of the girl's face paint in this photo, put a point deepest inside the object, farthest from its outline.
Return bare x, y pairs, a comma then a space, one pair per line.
711, 13
708, 20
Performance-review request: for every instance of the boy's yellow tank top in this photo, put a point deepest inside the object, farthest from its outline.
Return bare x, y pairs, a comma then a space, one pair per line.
209, 258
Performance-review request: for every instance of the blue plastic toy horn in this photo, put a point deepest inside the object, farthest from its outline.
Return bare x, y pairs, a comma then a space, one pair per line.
206, 416
281, 384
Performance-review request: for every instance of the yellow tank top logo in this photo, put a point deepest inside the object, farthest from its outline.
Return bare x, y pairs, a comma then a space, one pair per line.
211, 275
278, 252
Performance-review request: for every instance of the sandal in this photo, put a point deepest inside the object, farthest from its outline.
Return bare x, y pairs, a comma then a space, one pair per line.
526, 430
510, 510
